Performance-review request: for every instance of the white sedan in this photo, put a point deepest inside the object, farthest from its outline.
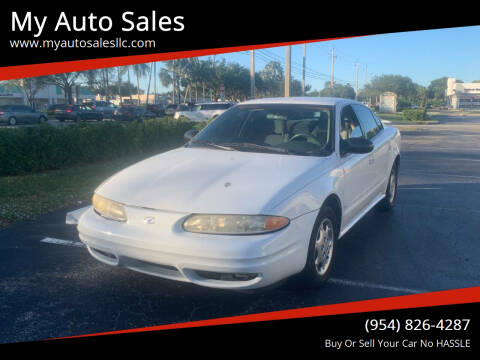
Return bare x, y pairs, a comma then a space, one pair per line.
262, 193
204, 112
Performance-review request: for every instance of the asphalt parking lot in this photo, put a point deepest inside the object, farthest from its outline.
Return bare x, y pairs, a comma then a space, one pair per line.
430, 242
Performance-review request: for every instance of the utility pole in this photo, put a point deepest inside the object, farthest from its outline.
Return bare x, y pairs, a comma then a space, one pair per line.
365, 77
173, 76
155, 83
331, 78
288, 58
119, 85
252, 74
303, 70
356, 80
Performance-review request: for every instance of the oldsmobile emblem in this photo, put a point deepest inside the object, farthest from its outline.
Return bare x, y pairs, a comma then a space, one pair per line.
149, 220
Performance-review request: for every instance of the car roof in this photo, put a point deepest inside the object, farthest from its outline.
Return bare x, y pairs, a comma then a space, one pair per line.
214, 103
307, 100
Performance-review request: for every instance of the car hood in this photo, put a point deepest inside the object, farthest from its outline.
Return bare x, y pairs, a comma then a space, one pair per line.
201, 180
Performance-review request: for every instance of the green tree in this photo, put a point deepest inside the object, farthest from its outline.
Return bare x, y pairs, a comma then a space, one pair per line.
66, 81
140, 70
272, 79
98, 81
296, 88
338, 90
401, 85
436, 89
121, 71
30, 86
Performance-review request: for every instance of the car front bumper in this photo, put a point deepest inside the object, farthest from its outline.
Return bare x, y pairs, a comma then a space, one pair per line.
165, 250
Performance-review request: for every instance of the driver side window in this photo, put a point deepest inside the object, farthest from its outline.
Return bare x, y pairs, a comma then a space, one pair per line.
349, 125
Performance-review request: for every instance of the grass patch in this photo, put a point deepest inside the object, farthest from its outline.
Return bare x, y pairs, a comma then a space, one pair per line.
26, 197
390, 117
398, 118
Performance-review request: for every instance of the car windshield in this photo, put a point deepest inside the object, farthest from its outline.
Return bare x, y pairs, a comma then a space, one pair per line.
275, 128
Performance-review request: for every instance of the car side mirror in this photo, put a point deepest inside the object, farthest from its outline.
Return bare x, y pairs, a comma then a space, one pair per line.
356, 146
190, 134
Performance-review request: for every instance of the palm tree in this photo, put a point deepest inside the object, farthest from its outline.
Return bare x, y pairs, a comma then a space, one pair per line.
140, 70
166, 76
121, 70
149, 81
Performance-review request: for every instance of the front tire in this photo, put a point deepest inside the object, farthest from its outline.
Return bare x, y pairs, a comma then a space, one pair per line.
388, 202
321, 250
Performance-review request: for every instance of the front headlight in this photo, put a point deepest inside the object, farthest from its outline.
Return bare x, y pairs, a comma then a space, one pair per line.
234, 224
108, 208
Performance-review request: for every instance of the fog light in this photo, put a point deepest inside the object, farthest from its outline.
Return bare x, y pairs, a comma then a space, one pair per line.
226, 276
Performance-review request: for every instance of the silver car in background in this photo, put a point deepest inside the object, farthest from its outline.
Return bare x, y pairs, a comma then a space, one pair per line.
205, 111
105, 107
16, 114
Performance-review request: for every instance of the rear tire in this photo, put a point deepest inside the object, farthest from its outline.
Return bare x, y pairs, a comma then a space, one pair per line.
12, 121
388, 202
42, 119
321, 249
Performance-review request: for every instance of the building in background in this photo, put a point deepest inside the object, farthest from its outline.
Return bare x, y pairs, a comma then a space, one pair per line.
47, 95
463, 95
388, 102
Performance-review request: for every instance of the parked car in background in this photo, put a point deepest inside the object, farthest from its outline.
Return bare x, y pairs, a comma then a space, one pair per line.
77, 113
105, 107
204, 112
50, 110
156, 109
132, 112
20, 114
171, 109
260, 194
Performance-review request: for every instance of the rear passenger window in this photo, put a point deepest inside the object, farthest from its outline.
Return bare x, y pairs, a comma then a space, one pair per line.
367, 120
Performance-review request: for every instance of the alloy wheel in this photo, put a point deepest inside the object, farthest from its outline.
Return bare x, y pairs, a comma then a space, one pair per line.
324, 246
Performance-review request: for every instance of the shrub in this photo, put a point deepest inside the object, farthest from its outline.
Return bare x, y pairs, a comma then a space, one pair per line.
415, 114
44, 147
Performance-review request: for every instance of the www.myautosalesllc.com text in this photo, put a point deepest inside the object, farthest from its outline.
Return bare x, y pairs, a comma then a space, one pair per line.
100, 43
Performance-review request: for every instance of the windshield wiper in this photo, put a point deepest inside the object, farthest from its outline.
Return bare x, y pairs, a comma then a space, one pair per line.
252, 146
212, 144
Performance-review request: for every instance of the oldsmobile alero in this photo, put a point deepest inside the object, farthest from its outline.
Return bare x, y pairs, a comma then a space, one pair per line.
260, 194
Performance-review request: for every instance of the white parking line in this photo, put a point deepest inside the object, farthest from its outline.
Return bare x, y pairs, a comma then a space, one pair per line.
443, 159
50, 240
439, 208
424, 188
375, 286
410, 172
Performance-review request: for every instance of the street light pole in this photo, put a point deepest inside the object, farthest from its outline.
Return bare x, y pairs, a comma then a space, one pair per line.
303, 70
252, 74
288, 59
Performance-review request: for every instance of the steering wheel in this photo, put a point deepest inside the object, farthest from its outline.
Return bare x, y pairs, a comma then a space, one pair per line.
306, 136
